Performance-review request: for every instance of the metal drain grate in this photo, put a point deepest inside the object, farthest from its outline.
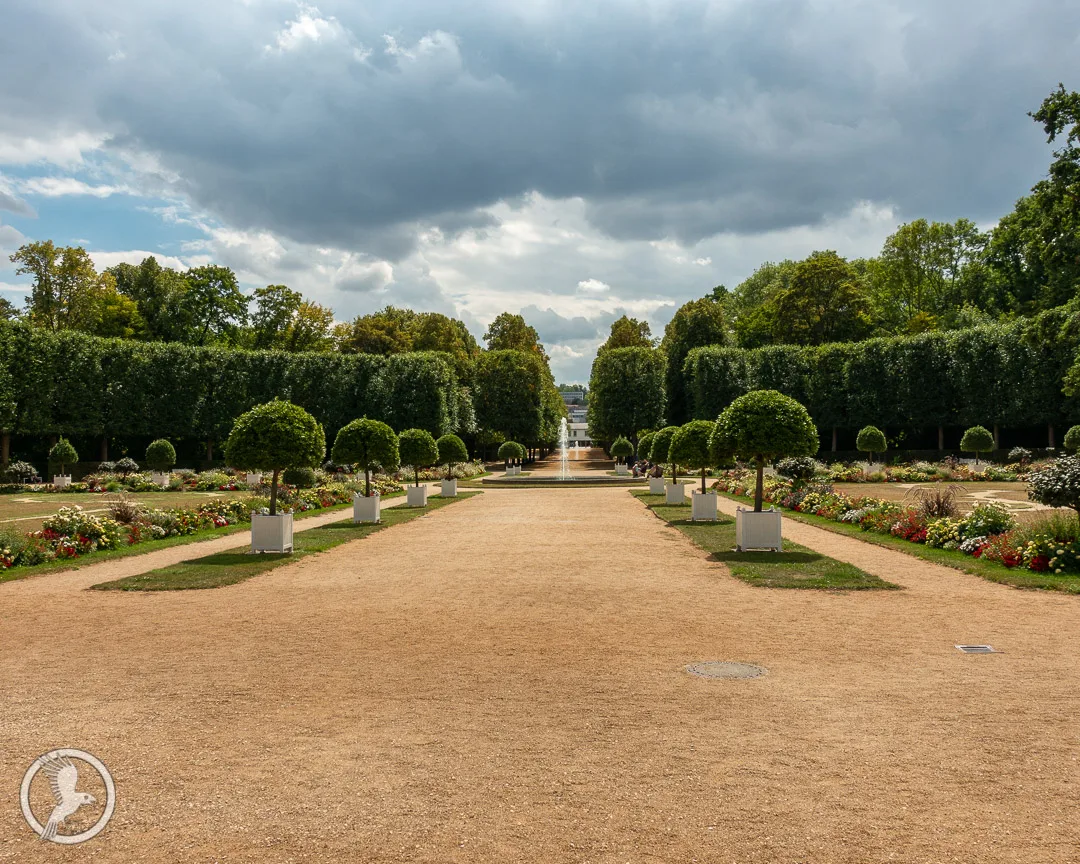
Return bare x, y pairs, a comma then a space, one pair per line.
977, 649
725, 669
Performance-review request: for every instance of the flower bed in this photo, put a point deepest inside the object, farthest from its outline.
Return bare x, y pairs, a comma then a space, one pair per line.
988, 532
72, 532
924, 472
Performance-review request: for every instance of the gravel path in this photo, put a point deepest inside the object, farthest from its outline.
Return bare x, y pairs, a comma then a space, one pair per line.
503, 681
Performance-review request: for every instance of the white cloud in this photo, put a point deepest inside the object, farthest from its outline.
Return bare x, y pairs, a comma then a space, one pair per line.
54, 187
593, 286
65, 150
103, 260
308, 27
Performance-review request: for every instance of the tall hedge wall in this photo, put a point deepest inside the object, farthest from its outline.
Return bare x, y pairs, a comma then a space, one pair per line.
1009, 374
73, 384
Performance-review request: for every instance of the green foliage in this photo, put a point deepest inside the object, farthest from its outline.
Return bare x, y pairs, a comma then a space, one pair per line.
620, 449
765, 425
63, 454
160, 455
418, 450
370, 444
452, 450
661, 445
691, 446
1058, 484
644, 445
509, 332
977, 439
511, 450
516, 397
274, 437
871, 440
626, 392
126, 466
628, 333
302, 477
694, 325
1072, 439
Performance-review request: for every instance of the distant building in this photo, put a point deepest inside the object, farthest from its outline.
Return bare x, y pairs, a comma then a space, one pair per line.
579, 434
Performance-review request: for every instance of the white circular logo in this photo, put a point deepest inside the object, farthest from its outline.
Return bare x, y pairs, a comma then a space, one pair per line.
63, 776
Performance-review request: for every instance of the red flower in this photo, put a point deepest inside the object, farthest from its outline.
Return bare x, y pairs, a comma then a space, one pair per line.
1040, 563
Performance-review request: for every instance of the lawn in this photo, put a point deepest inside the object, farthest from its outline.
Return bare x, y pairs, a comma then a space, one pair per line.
795, 567
238, 565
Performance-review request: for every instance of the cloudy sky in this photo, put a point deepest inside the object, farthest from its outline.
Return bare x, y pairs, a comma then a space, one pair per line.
570, 161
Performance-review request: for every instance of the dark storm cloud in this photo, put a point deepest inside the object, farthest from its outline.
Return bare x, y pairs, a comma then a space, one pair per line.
357, 126
555, 328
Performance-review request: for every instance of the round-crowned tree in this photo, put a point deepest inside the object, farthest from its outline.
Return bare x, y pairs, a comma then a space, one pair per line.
871, 440
63, 454
510, 450
1072, 439
452, 451
1058, 484
302, 477
370, 444
620, 449
417, 449
977, 439
690, 446
644, 445
126, 466
161, 455
661, 449
763, 426
275, 436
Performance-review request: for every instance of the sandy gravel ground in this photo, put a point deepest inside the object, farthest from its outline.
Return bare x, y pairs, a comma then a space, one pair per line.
504, 681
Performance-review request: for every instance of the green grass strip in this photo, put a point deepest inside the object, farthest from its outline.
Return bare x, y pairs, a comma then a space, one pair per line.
1017, 577
238, 565
796, 567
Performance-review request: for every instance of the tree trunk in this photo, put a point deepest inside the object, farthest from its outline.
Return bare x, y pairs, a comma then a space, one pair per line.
834, 439
940, 438
104, 451
759, 492
997, 437
209, 451
367, 481
273, 494
5, 449
1050, 435
702, 481
416, 474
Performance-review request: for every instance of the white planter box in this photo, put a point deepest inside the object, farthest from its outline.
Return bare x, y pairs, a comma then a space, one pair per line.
513, 470
365, 509
704, 507
417, 496
272, 533
621, 469
254, 479
449, 488
160, 478
676, 493
757, 530
61, 481
656, 485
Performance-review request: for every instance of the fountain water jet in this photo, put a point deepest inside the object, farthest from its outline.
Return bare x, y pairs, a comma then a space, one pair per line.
564, 452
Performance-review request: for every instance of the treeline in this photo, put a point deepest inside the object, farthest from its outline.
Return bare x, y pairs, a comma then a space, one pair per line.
70, 383
1012, 375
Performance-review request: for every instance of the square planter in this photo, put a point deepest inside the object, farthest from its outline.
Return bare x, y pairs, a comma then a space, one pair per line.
254, 479
272, 533
621, 469
449, 488
417, 496
757, 530
61, 481
656, 485
160, 478
676, 493
703, 506
365, 509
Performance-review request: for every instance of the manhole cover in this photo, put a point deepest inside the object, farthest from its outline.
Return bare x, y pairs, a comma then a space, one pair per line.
726, 669
977, 649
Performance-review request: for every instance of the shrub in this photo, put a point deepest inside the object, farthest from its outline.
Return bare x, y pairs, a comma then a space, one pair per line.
452, 451
510, 450
63, 454
273, 437
797, 467
17, 472
126, 466
123, 509
761, 427
977, 439
620, 449
418, 450
370, 444
302, 477
1058, 484
1072, 439
161, 455
107, 467
690, 446
986, 519
1001, 548
871, 440
937, 501
644, 445
1022, 454
661, 448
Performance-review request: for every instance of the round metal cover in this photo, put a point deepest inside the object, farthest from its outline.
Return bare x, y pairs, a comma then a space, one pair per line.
726, 669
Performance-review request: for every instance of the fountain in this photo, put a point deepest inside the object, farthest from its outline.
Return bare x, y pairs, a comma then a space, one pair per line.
564, 451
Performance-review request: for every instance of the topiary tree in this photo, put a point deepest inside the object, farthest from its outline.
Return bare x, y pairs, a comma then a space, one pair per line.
1058, 484
62, 454
690, 446
661, 449
762, 426
1072, 439
522, 452
418, 450
871, 440
451, 451
161, 455
644, 445
977, 439
273, 437
509, 451
797, 467
302, 477
126, 466
369, 444
620, 449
